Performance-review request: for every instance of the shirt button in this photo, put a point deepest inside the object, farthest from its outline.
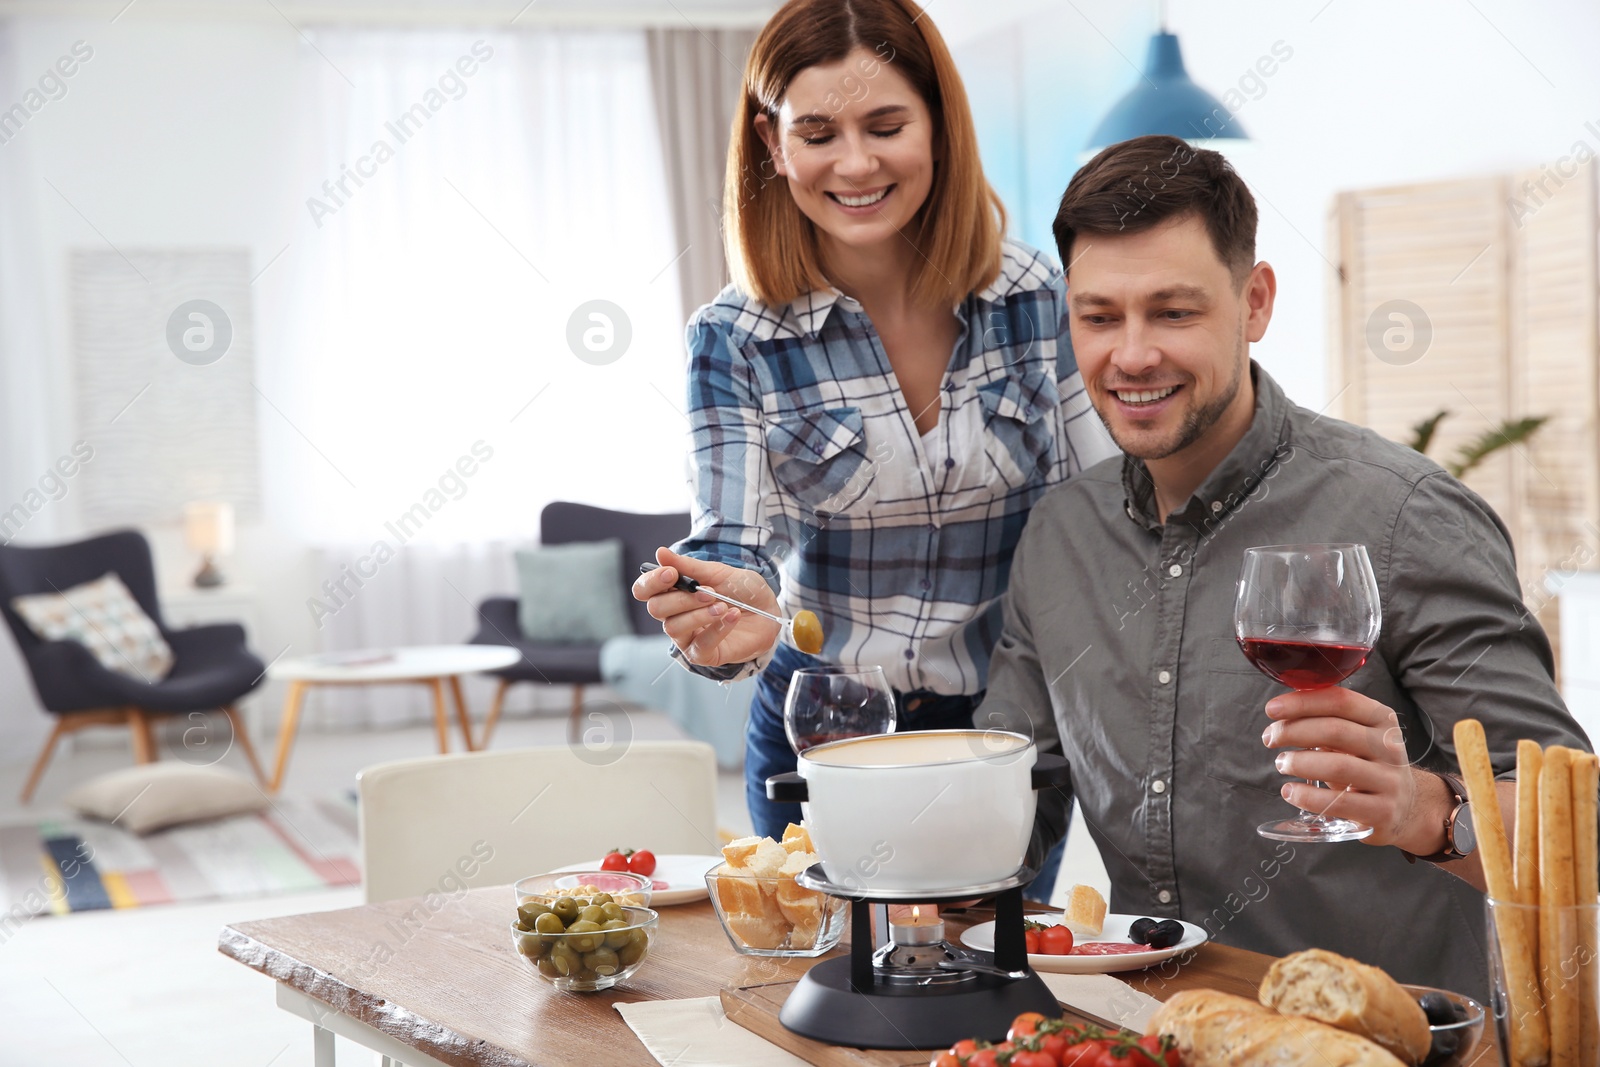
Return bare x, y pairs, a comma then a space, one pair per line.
1216, 505
948, 463
1158, 786
1175, 570
911, 654
1164, 896
931, 526
926, 584
1164, 677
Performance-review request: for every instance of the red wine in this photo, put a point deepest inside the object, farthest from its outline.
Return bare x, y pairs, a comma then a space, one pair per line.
805, 741
1304, 664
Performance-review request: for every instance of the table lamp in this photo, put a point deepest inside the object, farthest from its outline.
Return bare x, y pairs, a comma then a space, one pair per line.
208, 528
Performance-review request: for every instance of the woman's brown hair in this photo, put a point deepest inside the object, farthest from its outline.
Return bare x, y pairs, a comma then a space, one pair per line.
771, 245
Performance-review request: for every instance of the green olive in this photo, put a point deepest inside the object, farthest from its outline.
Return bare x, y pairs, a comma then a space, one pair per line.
530, 910
565, 959
593, 913
613, 911
617, 936
584, 943
518, 925
548, 968
601, 961
631, 953
601, 899
549, 923
567, 908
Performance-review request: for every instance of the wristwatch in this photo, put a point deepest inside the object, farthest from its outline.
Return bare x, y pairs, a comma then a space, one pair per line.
1460, 839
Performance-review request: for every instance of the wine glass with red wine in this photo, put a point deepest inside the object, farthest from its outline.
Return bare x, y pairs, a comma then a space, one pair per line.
1307, 616
833, 703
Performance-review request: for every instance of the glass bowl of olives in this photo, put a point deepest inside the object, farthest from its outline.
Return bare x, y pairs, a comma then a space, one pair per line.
583, 943
1456, 1022
626, 888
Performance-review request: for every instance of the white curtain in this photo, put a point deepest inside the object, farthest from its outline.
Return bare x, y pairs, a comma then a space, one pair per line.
35, 422
466, 194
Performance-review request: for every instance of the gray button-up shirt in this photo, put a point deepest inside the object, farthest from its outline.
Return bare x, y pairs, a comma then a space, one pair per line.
1118, 651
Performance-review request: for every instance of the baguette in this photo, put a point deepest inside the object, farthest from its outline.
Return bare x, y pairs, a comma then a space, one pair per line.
1350, 995
1214, 1029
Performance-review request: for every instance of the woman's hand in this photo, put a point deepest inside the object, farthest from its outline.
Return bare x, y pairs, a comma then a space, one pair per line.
1364, 760
708, 632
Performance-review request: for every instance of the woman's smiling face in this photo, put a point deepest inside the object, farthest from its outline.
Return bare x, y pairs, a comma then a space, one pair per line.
856, 149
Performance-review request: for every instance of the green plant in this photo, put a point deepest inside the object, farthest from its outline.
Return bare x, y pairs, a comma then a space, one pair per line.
1508, 433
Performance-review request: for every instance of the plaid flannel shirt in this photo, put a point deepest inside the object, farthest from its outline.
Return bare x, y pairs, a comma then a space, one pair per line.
807, 467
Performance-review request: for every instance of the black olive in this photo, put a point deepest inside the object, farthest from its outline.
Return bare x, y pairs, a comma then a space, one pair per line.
1167, 932
1438, 1008
1139, 932
1445, 1045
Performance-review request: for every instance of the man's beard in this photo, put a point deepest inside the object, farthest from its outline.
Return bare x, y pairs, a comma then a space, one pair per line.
1197, 420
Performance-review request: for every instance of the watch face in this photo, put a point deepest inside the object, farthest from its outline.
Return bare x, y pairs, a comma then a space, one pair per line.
1463, 836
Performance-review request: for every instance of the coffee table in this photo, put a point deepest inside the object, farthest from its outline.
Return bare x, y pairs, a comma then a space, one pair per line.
429, 665
434, 982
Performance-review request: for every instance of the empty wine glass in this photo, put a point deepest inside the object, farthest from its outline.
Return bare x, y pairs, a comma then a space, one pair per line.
1307, 616
832, 703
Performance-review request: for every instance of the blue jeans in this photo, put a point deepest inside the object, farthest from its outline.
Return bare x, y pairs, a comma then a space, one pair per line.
766, 747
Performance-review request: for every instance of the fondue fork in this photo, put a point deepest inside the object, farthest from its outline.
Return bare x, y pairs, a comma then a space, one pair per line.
804, 631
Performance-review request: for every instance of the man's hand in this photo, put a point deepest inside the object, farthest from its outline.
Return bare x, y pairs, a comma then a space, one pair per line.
1364, 763
707, 631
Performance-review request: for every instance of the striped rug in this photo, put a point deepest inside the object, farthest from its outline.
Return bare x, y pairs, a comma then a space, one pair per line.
59, 866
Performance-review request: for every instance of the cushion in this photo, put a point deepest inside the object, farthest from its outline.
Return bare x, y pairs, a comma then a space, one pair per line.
149, 796
572, 594
103, 616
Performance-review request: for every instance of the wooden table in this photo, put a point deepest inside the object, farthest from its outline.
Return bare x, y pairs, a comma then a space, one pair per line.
442, 985
434, 666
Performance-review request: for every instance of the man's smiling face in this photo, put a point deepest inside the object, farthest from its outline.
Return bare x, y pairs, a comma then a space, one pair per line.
1160, 328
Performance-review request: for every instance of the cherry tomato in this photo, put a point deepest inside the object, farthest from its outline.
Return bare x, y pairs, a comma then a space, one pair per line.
1024, 1025
1082, 1054
944, 1059
1032, 1058
1054, 1044
1031, 937
1055, 941
1104, 1057
642, 862
984, 1057
614, 861
965, 1047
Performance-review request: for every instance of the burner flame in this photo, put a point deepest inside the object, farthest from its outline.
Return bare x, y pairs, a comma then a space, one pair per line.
916, 914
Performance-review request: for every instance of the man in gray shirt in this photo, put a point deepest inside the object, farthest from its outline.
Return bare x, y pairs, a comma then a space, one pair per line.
1118, 647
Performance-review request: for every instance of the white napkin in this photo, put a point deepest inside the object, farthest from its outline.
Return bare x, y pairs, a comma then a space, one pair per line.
1104, 997
696, 1033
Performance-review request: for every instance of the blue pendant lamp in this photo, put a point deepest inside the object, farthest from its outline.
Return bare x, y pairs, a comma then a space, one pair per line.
1166, 101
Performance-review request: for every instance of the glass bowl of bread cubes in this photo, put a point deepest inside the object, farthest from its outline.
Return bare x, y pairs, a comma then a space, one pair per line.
763, 909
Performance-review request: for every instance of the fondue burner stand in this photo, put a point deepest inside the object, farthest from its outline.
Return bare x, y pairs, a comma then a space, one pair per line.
918, 991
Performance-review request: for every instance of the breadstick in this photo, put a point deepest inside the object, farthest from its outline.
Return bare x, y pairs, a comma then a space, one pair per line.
1586, 860
1557, 891
1519, 953
1530, 757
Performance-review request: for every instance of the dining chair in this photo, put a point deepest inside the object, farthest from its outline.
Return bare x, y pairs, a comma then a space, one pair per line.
442, 824
577, 665
212, 666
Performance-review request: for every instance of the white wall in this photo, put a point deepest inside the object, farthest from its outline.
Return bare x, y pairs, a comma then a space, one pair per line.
1377, 93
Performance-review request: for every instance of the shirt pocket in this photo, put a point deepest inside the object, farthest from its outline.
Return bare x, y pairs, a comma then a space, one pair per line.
1236, 696
820, 458
1019, 426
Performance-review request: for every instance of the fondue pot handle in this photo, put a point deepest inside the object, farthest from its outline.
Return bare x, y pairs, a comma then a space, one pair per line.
790, 788
1049, 770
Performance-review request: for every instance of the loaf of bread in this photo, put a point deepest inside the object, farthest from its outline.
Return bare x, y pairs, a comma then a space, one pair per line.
1351, 995
1215, 1029
1085, 913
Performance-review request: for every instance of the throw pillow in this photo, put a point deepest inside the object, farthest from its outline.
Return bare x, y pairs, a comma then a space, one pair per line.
150, 796
103, 616
572, 594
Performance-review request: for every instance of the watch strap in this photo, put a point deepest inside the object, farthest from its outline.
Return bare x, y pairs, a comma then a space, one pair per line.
1458, 790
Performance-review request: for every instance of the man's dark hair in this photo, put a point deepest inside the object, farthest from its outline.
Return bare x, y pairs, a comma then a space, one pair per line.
1136, 185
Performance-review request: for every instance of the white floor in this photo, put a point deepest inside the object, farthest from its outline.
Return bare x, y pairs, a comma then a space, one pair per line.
146, 987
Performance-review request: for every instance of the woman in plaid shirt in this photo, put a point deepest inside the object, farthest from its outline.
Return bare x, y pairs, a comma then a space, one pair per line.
880, 396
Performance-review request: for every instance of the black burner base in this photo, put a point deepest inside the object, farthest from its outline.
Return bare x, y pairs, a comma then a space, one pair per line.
825, 1007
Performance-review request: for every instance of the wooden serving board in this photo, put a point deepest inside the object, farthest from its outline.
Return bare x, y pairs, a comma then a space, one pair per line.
756, 1007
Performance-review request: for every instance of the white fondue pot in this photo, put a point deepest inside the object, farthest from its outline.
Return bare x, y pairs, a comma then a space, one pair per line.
927, 810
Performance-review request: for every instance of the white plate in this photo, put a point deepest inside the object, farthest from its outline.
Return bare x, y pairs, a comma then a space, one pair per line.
684, 877
981, 937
